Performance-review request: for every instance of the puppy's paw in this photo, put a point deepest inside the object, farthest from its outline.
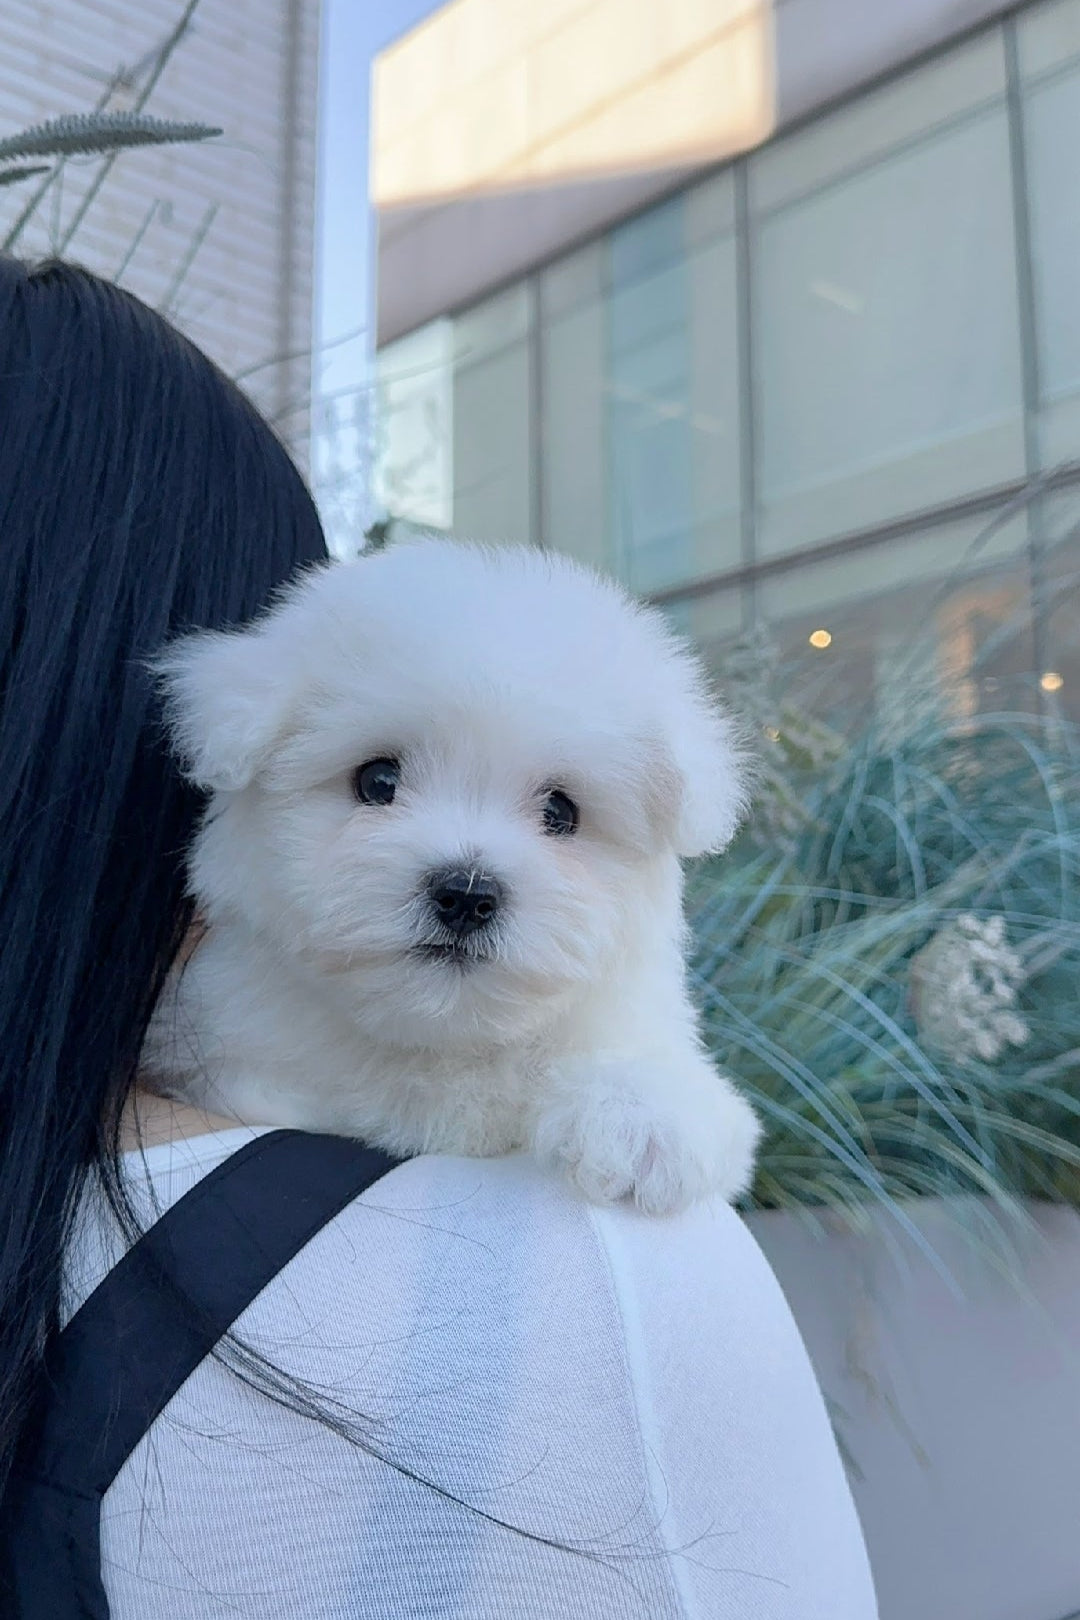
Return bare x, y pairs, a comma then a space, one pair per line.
621, 1130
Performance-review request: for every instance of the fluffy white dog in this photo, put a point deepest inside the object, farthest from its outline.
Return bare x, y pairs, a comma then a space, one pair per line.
450, 787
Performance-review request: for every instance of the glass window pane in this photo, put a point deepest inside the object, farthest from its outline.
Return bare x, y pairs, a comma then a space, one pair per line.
1052, 131
493, 325
886, 339
572, 414
953, 601
492, 433
413, 475
492, 447
878, 122
712, 622
672, 414
1048, 35
1060, 590
648, 433
714, 409
574, 279
710, 208
647, 241
1060, 680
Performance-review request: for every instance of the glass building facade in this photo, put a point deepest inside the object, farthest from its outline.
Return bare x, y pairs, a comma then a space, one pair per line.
833, 386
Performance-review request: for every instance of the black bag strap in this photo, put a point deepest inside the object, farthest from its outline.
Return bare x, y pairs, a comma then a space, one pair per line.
146, 1327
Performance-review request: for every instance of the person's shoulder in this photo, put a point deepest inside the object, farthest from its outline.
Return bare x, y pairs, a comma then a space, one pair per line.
513, 1194
508, 1192
520, 1175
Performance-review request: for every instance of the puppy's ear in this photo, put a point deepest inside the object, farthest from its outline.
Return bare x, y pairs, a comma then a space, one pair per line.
708, 783
228, 697
712, 762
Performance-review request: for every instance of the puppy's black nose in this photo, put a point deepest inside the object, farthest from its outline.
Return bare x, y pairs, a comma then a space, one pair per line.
464, 901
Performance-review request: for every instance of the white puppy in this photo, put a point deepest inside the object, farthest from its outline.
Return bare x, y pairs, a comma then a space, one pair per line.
440, 868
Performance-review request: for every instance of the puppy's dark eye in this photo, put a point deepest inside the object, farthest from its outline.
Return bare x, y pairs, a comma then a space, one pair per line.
560, 814
376, 781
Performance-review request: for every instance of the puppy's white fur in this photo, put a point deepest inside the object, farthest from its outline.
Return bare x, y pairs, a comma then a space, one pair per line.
493, 676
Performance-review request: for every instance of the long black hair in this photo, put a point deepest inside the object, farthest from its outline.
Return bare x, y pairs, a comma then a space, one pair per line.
140, 495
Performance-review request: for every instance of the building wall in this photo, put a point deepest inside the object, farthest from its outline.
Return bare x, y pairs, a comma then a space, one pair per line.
764, 64
807, 388
502, 132
950, 1376
248, 66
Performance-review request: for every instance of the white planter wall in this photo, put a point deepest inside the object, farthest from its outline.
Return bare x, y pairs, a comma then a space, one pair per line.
958, 1403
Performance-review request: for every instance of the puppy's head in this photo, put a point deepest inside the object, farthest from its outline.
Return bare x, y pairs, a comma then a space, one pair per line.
451, 781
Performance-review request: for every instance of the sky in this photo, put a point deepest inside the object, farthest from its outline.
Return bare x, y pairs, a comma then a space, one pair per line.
353, 32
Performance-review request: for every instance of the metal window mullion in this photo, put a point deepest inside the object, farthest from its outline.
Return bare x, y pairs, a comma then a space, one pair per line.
1029, 353
744, 259
537, 448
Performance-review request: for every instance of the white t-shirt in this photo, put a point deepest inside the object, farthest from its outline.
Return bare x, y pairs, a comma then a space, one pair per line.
630, 1387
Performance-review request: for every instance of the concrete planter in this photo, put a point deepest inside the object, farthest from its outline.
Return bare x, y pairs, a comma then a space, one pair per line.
957, 1399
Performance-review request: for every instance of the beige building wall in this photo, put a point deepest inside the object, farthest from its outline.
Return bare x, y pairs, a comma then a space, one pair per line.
242, 207
505, 132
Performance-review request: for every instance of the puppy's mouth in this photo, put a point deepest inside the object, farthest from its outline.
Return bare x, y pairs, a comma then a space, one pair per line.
457, 953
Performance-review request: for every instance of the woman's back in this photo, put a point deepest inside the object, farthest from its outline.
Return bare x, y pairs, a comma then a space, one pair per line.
629, 1387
